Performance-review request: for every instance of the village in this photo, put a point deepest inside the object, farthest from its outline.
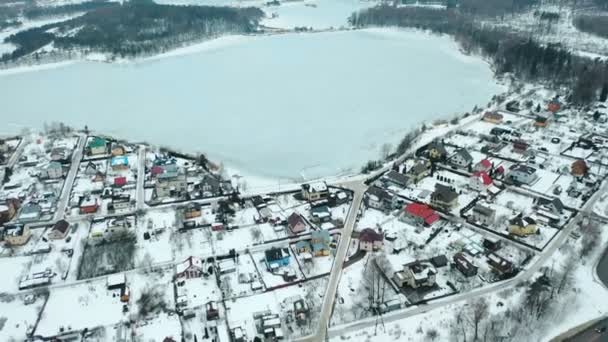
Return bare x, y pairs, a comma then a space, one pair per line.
142, 243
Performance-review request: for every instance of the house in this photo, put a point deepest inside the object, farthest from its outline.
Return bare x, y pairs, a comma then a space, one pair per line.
542, 120
320, 213
296, 223
52, 171
396, 179
520, 146
554, 205
522, 174
370, 240
59, 231
30, 212
444, 197
484, 215
190, 268
276, 257
119, 163
209, 186
88, 205
117, 228
461, 158
439, 261
480, 181
60, 154
500, 265
493, 117
378, 198
303, 246
212, 311
97, 146
300, 311
419, 214
116, 281
8, 209
119, 202
436, 150
17, 234
415, 275
579, 168
171, 182
491, 243
464, 264
320, 241
192, 210
120, 181
419, 170
554, 105
118, 149
315, 191
522, 225
91, 169
483, 165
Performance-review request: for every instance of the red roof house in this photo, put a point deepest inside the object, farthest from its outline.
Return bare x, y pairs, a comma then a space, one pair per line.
419, 213
480, 180
120, 181
483, 165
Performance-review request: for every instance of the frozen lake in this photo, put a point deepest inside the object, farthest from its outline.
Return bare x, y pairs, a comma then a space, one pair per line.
278, 106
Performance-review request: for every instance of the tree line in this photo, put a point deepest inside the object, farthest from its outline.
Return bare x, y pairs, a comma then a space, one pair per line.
134, 28
36, 12
510, 52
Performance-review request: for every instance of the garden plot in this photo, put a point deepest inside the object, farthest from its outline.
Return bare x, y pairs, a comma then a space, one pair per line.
280, 276
544, 182
32, 245
106, 258
12, 269
197, 242
158, 327
372, 218
195, 293
18, 313
463, 140
244, 281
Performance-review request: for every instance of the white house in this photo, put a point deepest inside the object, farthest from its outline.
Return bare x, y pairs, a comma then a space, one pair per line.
462, 158
523, 174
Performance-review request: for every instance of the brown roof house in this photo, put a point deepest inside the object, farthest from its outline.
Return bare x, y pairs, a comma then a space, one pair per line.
370, 240
59, 231
296, 223
579, 168
444, 197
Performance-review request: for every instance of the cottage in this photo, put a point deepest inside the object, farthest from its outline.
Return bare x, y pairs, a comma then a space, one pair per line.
17, 234
119, 163
500, 265
554, 105
209, 186
419, 170
296, 223
480, 181
483, 165
522, 225
52, 171
484, 215
118, 149
522, 174
30, 212
277, 257
444, 197
419, 214
8, 209
88, 205
315, 191
415, 275
59, 231
461, 158
464, 265
190, 268
370, 240
397, 179
192, 210
520, 146
320, 242
97, 146
320, 213
579, 168
542, 120
378, 198
171, 182
493, 117
554, 205
436, 150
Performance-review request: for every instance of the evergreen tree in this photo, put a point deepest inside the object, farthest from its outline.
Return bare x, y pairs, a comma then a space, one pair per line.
604, 93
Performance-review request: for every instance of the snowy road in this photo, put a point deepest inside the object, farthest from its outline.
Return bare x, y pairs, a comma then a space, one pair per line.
141, 175
69, 180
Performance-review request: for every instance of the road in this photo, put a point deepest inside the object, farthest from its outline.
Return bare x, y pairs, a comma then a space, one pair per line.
15, 156
590, 335
534, 267
141, 177
69, 179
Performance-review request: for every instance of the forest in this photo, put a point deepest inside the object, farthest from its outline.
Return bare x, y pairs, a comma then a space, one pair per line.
511, 53
134, 28
36, 12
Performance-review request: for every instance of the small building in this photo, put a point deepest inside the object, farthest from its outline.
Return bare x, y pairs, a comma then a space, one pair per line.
491, 243
396, 179
60, 154
277, 257
554, 205
118, 149
522, 225
520, 146
320, 213
554, 105
52, 171
542, 120
370, 240
500, 265
8, 209
315, 191
480, 181
522, 174
464, 265
303, 246
419, 170
484, 215
493, 117
17, 234
419, 214
97, 146
483, 165
378, 198
190, 268
415, 275
301, 311
461, 158
192, 210
439, 261
212, 311
444, 197
436, 150
59, 231
91, 169
320, 242
209, 186
88, 205
30, 212
171, 182
120, 181
116, 281
119, 163
579, 168
296, 223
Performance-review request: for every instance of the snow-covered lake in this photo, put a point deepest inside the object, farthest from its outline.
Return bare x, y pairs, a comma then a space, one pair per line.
279, 106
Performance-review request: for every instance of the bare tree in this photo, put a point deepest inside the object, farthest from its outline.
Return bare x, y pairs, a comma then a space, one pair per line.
432, 334
385, 151
479, 310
